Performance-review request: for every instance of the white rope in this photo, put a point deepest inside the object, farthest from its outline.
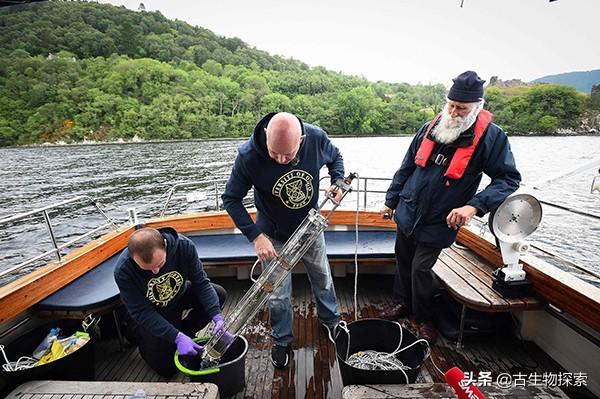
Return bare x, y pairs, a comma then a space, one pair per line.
24, 362
374, 360
369, 359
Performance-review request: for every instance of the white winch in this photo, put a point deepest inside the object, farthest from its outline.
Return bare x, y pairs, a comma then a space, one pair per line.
513, 221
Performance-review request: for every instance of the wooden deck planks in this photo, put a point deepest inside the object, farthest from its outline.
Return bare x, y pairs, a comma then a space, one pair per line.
314, 372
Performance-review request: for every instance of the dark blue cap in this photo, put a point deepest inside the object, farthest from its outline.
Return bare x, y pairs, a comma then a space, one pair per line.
467, 88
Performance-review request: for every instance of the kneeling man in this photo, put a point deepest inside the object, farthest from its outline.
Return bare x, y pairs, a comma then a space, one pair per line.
159, 276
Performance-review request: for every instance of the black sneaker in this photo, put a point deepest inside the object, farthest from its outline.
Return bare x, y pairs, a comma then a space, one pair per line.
279, 356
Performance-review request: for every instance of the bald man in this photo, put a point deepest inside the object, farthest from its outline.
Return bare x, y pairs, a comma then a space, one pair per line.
159, 276
282, 161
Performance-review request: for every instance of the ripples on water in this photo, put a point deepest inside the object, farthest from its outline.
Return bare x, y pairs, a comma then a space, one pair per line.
138, 175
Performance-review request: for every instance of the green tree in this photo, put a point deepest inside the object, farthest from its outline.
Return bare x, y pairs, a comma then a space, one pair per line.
547, 124
357, 111
213, 67
562, 102
275, 102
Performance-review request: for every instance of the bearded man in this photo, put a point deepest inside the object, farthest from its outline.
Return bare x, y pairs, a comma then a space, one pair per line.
433, 193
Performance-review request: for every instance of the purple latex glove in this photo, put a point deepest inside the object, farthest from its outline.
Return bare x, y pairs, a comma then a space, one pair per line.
228, 337
219, 323
220, 326
186, 346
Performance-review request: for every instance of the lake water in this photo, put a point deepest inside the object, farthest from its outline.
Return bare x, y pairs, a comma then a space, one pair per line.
121, 176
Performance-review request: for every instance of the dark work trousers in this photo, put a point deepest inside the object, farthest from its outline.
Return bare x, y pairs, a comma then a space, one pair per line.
157, 352
414, 283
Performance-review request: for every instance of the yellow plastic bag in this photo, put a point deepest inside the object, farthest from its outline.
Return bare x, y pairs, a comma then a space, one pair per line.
56, 352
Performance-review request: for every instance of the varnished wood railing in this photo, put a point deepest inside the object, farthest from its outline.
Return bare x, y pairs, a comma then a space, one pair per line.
562, 289
28, 290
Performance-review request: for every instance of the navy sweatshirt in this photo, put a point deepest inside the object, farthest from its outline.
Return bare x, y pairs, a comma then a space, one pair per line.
148, 296
283, 194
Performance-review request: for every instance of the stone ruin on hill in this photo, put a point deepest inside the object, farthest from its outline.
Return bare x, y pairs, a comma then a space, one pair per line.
505, 84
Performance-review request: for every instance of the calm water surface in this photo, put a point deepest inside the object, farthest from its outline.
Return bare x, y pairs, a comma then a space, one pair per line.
138, 175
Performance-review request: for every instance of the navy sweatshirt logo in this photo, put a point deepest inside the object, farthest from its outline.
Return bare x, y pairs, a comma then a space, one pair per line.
164, 288
295, 189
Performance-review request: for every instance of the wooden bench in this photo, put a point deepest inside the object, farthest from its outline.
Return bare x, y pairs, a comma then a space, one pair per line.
468, 279
440, 390
113, 390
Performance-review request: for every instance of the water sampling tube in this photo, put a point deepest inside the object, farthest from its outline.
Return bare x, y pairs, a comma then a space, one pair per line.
273, 275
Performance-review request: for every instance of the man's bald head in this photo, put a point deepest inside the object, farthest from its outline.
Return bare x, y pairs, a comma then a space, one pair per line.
284, 135
147, 247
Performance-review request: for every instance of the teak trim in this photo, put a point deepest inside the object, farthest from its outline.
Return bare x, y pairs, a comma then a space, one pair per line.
28, 290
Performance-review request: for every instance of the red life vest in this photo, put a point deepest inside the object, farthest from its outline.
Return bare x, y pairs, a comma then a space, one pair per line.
462, 155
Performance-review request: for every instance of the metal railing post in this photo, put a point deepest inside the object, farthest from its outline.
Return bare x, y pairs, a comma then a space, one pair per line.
108, 219
366, 179
132, 216
52, 237
56, 248
217, 195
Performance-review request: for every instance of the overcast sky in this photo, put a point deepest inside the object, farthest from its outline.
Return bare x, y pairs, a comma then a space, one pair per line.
427, 41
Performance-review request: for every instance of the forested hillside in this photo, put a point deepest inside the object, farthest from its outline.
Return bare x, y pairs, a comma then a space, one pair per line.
71, 71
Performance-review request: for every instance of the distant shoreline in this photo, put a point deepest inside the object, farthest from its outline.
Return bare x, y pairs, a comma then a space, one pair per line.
93, 143
130, 142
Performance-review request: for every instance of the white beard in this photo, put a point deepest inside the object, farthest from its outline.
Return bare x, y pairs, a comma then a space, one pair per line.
449, 128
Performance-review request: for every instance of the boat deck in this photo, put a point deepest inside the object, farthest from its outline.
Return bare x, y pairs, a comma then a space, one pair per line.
314, 370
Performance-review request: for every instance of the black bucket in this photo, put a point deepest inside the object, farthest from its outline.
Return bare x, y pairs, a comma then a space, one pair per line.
381, 336
229, 375
78, 365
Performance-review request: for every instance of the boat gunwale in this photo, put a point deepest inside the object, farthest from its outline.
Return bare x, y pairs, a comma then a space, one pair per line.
563, 290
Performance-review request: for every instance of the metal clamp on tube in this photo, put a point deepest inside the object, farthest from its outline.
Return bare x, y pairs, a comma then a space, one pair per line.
342, 185
276, 271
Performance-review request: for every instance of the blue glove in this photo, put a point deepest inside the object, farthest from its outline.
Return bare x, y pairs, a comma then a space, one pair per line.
186, 346
219, 323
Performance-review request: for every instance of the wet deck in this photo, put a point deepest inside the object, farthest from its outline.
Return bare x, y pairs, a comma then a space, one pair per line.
313, 370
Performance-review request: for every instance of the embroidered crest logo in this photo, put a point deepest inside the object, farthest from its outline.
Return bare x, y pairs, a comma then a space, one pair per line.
164, 288
295, 189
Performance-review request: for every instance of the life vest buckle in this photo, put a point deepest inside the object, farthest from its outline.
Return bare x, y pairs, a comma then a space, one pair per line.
440, 160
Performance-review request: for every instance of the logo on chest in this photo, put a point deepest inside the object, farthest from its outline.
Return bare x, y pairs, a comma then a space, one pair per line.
164, 288
295, 189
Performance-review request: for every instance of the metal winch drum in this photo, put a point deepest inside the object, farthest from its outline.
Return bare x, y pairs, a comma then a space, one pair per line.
516, 218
